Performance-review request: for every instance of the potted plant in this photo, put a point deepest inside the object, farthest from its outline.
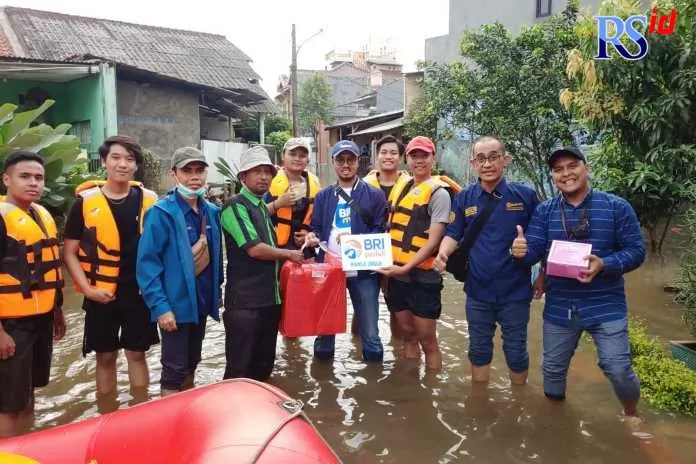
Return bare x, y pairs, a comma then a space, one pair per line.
685, 350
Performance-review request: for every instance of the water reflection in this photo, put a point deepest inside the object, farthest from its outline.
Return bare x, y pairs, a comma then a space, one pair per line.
398, 413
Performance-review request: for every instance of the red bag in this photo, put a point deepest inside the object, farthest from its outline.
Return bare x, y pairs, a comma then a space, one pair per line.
314, 298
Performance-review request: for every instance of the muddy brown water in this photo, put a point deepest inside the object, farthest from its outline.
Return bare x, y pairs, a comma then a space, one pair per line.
398, 413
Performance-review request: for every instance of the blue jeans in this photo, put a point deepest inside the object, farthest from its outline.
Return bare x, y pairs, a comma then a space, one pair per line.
513, 318
363, 294
613, 349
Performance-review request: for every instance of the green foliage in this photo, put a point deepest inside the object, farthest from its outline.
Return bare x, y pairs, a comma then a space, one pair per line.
151, 170
508, 87
421, 119
645, 111
61, 152
278, 139
316, 102
277, 123
687, 278
230, 173
665, 382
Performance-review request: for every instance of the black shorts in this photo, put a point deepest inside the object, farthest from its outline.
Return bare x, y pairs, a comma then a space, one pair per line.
123, 323
30, 367
422, 299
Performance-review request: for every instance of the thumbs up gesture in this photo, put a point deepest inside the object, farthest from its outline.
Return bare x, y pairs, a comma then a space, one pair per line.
519, 245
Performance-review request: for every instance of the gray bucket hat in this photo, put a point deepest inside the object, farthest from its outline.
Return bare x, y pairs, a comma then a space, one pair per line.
256, 156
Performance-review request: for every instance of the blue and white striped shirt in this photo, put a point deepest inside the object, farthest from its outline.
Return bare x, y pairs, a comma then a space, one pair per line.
615, 237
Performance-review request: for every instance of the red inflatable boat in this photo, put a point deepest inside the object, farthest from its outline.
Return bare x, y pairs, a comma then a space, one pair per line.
235, 421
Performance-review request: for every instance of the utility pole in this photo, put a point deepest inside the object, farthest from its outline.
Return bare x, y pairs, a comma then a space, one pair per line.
293, 85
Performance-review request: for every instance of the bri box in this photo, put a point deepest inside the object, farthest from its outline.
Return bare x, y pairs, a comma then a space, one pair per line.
567, 259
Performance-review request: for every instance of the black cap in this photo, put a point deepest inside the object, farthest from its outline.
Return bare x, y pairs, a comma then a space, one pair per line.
566, 151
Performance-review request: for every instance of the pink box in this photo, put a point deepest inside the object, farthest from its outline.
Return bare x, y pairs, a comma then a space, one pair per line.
566, 259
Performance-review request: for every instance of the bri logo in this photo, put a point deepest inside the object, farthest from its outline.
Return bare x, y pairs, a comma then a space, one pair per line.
353, 249
662, 24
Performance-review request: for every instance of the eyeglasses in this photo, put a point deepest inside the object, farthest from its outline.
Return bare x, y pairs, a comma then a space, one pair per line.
494, 158
346, 161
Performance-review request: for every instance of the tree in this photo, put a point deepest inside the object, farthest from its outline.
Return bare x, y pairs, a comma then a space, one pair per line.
316, 103
61, 152
645, 111
277, 123
421, 119
508, 87
278, 139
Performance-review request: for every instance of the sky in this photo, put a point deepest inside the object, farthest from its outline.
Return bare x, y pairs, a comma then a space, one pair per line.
261, 28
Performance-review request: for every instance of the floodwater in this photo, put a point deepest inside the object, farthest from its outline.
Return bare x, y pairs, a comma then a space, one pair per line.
396, 413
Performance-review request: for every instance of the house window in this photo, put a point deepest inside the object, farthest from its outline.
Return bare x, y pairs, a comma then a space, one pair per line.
543, 8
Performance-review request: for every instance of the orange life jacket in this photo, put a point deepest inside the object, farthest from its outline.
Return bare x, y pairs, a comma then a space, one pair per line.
283, 216
30, 271
100, 246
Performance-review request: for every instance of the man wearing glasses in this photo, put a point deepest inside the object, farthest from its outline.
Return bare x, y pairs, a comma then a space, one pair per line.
351, 206
498, 289
596, 301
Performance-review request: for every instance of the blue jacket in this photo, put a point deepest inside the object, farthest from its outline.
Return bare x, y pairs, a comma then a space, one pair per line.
370, 199
165, 269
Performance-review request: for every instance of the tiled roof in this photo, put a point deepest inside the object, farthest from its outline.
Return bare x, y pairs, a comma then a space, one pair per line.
195, 57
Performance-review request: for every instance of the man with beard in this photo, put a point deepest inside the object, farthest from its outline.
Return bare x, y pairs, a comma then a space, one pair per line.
350, 207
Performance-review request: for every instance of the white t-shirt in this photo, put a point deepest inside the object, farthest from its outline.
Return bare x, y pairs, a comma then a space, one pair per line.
341, 224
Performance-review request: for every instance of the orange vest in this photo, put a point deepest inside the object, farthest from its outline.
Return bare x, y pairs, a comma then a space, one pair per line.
100, 246
283, 217
410, 222
30, 271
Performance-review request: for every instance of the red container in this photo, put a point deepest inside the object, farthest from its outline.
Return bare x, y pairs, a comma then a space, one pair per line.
314, 298
238, 420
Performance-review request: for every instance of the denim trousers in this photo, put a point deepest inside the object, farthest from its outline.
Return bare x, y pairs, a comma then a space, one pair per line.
513, 318
364, 293
613, 350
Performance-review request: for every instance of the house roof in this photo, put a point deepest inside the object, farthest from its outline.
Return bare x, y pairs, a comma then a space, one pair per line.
383, 127
195, 57
5, 47
387, 115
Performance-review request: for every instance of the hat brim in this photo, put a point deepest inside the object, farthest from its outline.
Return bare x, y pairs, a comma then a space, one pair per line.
351, 152
186, 162
562, 152
273, 168
292, 147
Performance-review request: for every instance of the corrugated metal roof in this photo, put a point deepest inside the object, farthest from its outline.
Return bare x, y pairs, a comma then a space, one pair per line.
5, 47
196, 57
385, 126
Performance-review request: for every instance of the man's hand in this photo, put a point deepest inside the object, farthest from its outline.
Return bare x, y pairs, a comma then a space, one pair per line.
58, 324
338, 237
285, 200
311, 240
167, 321
299, 237
596, 266
519, 245
538, 287
295, 255
99, 295
7, 345
393, 270
441, 261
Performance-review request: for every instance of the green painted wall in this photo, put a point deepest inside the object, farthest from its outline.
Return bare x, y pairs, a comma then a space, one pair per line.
76, 101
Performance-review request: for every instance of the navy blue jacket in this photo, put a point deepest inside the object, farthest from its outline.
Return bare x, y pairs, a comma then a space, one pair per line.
370, 199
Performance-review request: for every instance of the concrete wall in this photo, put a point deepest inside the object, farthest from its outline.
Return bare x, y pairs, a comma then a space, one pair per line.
161, 118
413, 90
472, 15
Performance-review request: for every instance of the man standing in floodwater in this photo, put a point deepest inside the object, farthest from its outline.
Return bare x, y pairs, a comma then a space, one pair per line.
596, 301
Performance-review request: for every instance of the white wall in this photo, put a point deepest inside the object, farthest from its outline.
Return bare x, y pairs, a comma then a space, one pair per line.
229, 151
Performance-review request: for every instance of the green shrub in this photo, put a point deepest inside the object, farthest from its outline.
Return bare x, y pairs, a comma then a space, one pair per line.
687, 279
665, 382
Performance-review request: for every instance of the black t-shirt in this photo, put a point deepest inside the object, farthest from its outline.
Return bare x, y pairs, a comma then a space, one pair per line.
386, 189
126, 214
